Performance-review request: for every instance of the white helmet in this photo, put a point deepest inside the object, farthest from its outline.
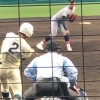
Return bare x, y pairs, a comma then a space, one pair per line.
27, 29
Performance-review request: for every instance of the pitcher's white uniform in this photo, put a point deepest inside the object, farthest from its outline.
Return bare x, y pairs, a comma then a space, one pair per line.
59, 21
12, 50
55, 20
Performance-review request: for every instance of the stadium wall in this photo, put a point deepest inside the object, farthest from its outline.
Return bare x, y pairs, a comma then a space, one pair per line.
7, 2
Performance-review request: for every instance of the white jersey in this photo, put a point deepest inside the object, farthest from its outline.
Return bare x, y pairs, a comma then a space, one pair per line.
14, 44
64, 12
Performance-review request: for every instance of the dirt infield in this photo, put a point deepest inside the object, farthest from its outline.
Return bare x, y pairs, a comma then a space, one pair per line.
85, 41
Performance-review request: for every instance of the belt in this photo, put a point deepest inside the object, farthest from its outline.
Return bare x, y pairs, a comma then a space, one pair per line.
55, 79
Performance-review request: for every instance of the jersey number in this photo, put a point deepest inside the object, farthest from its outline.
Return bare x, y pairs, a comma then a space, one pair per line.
13, 48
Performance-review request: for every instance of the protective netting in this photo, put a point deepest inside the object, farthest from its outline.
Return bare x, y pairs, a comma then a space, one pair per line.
85, 36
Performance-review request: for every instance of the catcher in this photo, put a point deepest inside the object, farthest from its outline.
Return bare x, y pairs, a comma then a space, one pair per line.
58, 20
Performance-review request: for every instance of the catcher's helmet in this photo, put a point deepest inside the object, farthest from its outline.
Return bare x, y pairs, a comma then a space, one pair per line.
52, 46
27, 29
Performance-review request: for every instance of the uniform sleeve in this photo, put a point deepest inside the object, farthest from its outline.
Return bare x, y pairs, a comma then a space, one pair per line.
64, 17
71, 71
27, 51
63, 22
31, 71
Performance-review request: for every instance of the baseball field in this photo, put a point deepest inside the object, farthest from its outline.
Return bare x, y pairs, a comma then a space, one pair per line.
85, 41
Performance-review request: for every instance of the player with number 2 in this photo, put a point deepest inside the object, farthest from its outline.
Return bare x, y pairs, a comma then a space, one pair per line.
14, 48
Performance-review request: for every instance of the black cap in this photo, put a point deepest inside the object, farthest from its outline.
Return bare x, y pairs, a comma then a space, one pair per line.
52, 46
71, 1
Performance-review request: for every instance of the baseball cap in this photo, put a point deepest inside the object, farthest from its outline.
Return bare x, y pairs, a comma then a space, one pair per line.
71, 1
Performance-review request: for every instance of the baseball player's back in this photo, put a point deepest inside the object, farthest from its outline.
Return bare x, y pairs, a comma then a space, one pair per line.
14, 48
14, 45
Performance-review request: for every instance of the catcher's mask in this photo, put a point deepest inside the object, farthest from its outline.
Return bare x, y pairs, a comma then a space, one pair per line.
52, 46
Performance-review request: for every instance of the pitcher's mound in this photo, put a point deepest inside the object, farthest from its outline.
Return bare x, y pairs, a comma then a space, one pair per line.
85, 23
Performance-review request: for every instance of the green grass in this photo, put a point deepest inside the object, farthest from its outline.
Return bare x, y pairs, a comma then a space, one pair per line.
46, 11
88, 10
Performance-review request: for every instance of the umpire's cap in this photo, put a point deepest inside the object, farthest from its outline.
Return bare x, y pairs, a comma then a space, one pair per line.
52, 45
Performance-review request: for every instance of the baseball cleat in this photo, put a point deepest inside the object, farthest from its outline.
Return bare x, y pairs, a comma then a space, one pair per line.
68, 47
40, 46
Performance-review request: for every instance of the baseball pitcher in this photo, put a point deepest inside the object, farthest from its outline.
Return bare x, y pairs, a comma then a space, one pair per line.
58, 20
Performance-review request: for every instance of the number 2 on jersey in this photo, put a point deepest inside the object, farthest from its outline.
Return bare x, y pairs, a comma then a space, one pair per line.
13, 48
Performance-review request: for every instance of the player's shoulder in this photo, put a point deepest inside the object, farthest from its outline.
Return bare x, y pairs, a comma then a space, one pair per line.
66, 58
66, 7
11, 34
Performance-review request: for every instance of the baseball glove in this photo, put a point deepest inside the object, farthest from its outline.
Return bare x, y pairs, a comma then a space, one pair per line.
72, 18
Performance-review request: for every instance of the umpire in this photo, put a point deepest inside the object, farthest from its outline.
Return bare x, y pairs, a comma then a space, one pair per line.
46, 71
